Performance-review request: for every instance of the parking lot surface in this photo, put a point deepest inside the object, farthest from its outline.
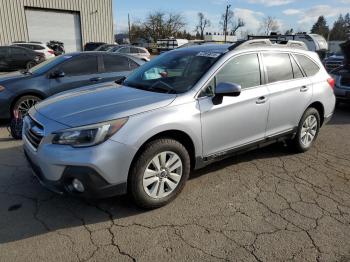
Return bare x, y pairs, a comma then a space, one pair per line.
266, 205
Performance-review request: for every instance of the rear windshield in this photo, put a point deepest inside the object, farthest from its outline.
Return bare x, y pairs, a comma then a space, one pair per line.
173, 72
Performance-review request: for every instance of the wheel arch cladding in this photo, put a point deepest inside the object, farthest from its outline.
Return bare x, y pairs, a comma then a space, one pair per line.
320, 108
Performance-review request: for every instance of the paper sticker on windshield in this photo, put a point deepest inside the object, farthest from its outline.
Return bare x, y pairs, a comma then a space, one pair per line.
209, 54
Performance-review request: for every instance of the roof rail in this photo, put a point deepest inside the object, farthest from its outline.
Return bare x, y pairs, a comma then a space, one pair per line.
266, 42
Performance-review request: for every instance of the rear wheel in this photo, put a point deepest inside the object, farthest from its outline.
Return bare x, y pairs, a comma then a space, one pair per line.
308, 130
159, 173
30, 65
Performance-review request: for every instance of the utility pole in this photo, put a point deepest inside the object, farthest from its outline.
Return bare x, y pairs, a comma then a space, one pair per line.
129, 28
226, 22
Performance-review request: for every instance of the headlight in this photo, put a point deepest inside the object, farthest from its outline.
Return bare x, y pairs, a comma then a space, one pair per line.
2, 88
88, 135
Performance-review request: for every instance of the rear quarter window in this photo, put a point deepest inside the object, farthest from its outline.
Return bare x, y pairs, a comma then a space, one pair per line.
310, 67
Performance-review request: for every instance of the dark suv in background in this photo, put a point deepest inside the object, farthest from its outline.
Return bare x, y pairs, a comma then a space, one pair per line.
15, 58
21, 90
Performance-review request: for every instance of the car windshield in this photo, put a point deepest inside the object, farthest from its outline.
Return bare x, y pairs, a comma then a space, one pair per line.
48, 64
173, 72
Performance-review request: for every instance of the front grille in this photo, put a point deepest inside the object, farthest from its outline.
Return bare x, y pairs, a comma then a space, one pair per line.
34, 132
345, 81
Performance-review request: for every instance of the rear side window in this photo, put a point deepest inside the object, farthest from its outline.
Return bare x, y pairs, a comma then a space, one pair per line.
133, 64
3, 51
134, 50
309, 66
80, 66
19, 51
141, 51
243, 70
125, 50
296, 69
115, 63
278, 67
38, 47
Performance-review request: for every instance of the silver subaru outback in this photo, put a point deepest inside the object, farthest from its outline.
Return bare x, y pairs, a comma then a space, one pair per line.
181, 111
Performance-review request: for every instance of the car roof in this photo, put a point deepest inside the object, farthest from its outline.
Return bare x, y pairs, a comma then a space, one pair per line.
103, 53
218, 48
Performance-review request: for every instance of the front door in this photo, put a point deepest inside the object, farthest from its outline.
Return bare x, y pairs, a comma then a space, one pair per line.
237, 121
78, 72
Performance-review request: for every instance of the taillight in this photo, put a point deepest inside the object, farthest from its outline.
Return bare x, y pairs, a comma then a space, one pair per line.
331, 82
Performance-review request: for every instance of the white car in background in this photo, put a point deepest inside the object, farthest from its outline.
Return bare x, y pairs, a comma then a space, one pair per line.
37, 47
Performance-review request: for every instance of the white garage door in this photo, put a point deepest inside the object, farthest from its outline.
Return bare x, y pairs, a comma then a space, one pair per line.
44, 26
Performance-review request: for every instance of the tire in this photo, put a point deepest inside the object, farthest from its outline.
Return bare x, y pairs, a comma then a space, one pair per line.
307, 131
17, 114
22, 107
30, 65
167, 183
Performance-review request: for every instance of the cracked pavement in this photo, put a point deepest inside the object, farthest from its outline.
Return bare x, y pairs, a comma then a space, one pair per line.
266, 205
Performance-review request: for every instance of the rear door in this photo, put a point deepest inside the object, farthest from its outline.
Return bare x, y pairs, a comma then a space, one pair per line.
4, 54
19, 57
290, 92
115, 67
82, 70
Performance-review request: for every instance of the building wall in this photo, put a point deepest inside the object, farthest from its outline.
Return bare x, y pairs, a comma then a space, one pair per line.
95, 26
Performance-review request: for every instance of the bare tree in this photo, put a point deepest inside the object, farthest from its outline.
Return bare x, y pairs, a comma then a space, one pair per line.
269, 24
203, 23
161, 25
228, 21
235, 25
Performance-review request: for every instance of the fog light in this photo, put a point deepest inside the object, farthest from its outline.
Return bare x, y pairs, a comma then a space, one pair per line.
78, 185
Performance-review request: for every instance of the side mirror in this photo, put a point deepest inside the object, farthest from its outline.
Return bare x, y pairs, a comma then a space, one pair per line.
226, 89
120, 80
57, 74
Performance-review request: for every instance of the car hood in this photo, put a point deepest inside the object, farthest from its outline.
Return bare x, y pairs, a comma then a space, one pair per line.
9, 77
100, 103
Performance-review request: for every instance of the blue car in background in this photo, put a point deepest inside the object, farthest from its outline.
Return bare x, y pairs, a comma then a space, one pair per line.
20, 90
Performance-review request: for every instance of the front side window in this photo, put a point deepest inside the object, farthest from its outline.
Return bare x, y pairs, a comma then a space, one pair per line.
278, 67
310, 67
243, 70
173, 72
80, 66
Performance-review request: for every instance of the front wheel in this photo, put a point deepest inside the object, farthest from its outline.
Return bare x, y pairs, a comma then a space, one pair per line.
159, 173
308, 130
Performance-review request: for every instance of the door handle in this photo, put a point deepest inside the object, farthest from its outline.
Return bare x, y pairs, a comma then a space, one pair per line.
304, 88
261, 100
96, 79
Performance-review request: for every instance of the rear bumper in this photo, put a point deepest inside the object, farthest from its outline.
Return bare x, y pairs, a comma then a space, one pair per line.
342, 94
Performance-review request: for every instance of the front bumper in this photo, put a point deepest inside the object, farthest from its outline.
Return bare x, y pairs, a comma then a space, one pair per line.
103, 169
95, 186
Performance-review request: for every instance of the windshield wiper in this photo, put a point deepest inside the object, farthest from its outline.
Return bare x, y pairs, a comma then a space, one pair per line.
162, 86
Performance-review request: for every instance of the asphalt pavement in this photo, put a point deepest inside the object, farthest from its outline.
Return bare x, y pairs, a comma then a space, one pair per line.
266, 205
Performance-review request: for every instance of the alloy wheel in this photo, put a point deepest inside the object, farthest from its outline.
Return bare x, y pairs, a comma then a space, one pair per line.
162, 175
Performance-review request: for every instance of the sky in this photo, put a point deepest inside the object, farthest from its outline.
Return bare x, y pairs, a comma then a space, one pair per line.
297, 14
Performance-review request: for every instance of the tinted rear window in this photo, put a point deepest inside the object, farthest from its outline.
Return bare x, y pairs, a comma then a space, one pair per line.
278, 66
309, 66
116, 63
